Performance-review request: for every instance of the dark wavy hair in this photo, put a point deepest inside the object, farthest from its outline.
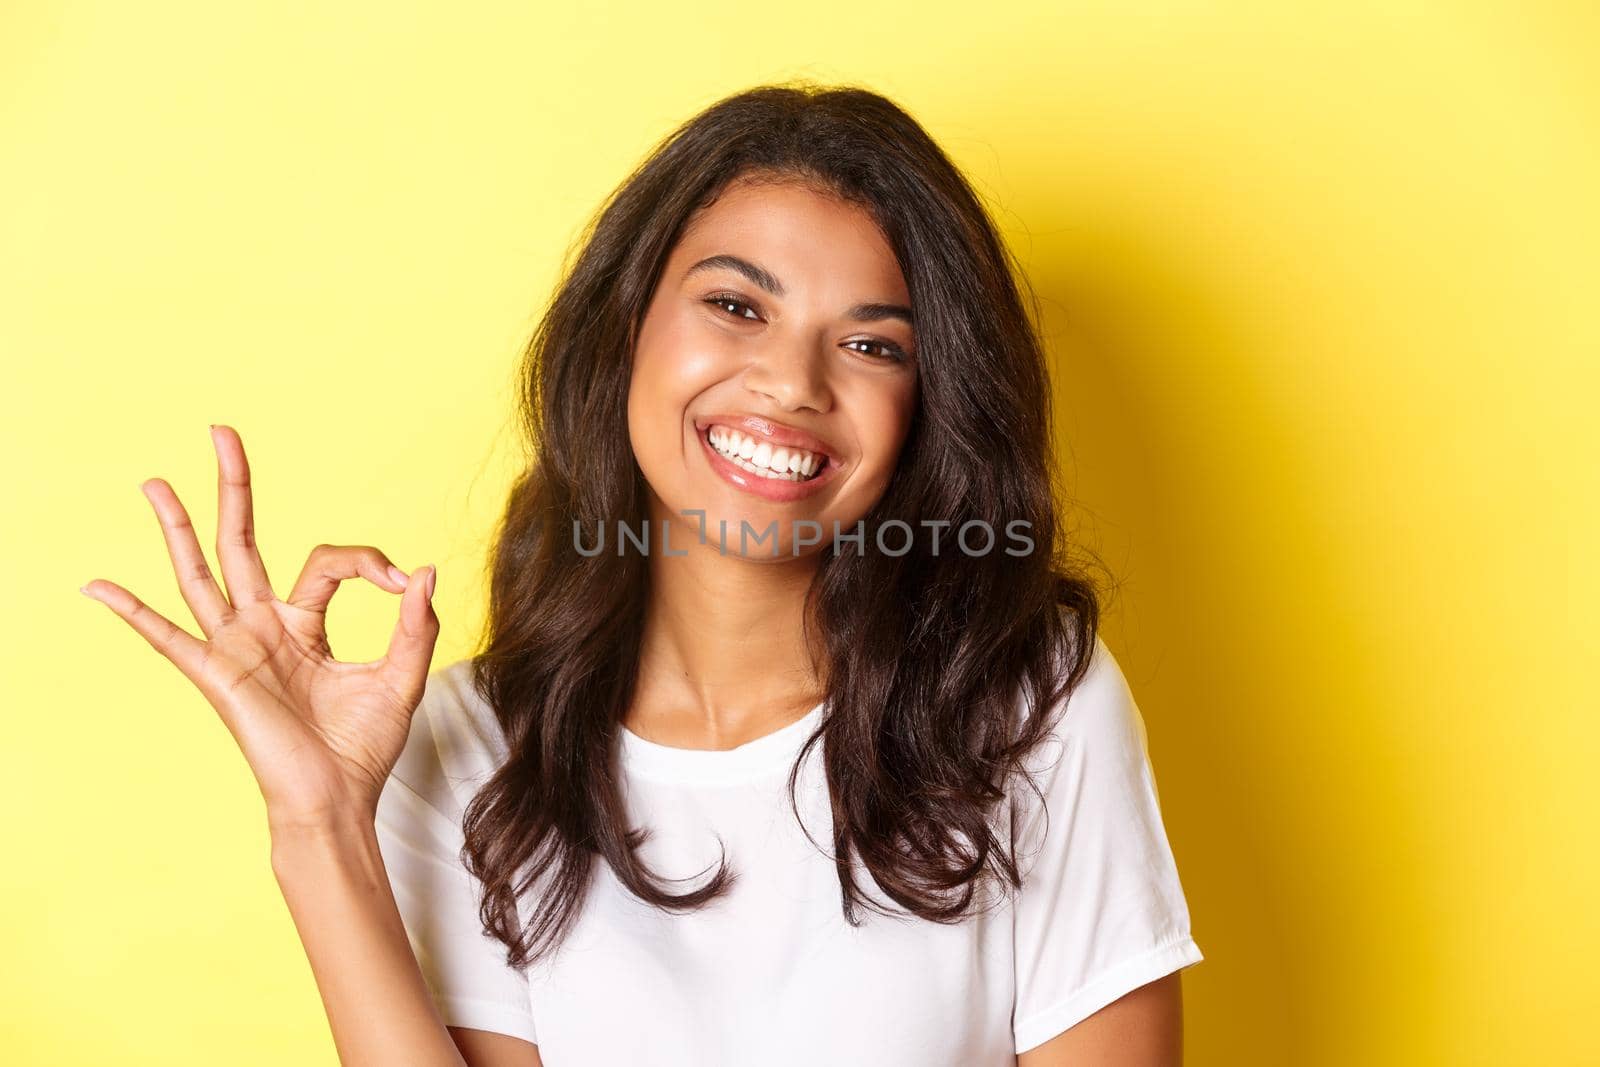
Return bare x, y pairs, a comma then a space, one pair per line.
927, 653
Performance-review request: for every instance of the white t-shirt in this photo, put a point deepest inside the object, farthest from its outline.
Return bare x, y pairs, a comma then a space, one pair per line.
772, 974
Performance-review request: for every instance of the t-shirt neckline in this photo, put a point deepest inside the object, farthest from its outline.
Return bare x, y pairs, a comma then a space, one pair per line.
698, 765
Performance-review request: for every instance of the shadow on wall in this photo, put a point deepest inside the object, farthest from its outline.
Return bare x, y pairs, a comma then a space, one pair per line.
1184, 475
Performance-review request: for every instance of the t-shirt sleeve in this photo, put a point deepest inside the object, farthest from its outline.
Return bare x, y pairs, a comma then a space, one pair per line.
1101, 910
449, 752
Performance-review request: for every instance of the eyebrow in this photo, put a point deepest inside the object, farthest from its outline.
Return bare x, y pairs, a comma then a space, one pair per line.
869, 311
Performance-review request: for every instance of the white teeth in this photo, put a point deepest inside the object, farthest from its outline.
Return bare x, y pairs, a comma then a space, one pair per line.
761, 457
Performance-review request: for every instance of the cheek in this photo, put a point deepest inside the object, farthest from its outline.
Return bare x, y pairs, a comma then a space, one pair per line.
673, 363
885, 420
676, 348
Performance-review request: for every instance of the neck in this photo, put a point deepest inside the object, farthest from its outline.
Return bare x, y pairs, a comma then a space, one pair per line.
722, 660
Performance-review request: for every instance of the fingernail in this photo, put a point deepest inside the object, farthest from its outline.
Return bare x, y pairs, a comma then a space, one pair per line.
433, 572
397, 574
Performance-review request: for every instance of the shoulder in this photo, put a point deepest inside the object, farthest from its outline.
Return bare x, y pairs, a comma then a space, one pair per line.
1095, 740
455, 741
1100, 710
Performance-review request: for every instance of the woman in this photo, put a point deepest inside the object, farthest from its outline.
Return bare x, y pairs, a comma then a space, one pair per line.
791, 738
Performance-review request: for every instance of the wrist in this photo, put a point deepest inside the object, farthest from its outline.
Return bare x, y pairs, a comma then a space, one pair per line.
298, 832
320, 811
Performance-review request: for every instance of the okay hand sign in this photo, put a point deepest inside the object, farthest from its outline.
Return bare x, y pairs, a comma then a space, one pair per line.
320, 736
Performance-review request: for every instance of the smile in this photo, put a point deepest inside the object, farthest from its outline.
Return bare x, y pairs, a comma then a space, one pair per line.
752, 464
764, 459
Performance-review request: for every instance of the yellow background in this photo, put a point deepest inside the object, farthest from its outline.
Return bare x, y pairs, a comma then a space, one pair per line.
1321, 295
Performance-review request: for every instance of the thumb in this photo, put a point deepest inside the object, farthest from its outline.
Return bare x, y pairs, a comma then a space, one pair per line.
411, 644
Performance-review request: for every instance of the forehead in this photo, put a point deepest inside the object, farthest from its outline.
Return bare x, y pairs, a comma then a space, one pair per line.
809, 238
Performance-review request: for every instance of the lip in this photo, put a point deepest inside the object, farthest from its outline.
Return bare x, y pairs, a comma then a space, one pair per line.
775, 433
779, 490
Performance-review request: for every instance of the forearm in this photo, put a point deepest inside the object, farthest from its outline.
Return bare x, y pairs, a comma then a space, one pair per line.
333, 880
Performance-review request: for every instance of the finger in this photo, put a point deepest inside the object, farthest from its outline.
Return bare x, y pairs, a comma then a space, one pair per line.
328, 565
180, 647
242, 570
411, 645
195, 581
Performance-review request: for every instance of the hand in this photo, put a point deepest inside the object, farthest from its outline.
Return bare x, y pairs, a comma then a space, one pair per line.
320, 736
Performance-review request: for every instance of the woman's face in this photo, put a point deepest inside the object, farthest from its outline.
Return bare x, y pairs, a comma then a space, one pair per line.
774, 375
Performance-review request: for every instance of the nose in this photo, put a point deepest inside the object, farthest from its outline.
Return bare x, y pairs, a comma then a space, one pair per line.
793, 376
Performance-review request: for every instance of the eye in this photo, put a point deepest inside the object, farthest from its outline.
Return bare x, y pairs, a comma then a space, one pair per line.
891, 351
735, 305
726, 300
